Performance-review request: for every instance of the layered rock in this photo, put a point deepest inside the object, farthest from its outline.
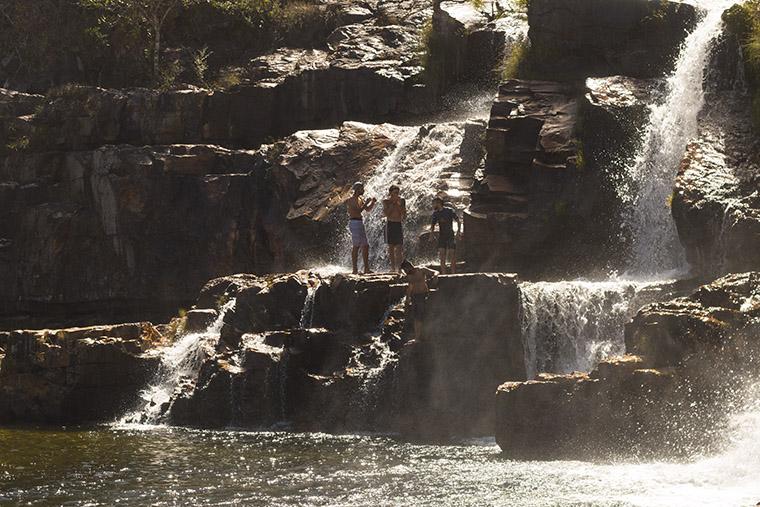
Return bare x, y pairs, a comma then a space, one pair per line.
121, 232
556, 154
74, 375
671, 399
715, 203
336, 354
469, 42
580, 38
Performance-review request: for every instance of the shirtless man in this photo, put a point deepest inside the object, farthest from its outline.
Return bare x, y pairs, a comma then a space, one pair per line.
356, 206
394, 209
416, 294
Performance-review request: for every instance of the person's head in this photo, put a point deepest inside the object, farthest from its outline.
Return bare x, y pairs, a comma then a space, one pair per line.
394, 191
437, 203
407, 267
358, 188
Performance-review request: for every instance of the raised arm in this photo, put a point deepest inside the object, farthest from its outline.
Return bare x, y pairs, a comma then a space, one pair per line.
370, 204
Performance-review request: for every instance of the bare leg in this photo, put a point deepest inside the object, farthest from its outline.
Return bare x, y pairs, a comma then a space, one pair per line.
392, 255
365, 258
355, 259
417, 329
399, 257
453, 260
442, 255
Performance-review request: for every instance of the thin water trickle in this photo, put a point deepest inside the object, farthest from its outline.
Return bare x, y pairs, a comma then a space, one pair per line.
180, 361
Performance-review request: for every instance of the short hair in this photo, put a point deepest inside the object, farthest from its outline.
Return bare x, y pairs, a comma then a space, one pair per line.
438, 199
393, 187
406, 266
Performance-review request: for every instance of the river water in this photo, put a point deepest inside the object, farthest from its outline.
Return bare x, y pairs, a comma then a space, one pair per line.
172, 466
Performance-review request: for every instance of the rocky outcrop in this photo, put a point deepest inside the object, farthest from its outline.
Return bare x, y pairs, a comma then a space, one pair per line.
579, 38
469, 42
122, 232
672, 398
71, 376
715, 204
548, 177
471, 343
336, 354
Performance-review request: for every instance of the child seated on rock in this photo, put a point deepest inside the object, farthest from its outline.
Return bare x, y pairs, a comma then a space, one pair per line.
417, 294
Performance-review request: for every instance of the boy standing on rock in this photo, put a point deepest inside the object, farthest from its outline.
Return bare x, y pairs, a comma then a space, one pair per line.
356, 206
445, 217
394, 209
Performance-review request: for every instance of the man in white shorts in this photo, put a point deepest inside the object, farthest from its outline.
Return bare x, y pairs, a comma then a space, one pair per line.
356, 206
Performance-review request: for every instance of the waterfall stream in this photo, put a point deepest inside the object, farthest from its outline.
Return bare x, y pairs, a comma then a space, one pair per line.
179, 362
656, 248
573, 325
416, 164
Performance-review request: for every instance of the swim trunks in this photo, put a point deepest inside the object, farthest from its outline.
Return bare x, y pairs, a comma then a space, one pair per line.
394, 234
358, 233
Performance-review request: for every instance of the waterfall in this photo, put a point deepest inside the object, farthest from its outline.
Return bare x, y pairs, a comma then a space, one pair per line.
179, 362
572, 326
421, 156
672, 124
307, 313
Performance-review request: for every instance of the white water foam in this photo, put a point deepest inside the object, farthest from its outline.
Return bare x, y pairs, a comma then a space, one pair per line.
179, 361
573, 325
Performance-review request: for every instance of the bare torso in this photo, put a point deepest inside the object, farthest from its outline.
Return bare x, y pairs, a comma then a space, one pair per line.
394, 209
355, 206
417, 282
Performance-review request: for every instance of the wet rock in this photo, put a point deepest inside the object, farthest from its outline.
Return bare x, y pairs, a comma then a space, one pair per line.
669, 333
199, 320
715, 204
581, 38
74, 376
200, 210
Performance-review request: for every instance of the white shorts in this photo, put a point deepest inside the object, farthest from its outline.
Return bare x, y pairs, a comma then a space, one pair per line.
358, 233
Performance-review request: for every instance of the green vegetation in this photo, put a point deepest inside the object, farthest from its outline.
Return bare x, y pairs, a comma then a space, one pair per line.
743, 20
123, 43
516, 61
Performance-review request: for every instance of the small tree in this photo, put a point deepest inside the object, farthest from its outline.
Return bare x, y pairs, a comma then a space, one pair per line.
150, 13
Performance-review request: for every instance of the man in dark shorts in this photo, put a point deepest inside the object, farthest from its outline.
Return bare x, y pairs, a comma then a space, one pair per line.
416, 294
445, 217
394, 209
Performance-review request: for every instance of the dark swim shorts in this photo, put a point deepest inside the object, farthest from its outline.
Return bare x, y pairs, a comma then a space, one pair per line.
394, 234
447, 241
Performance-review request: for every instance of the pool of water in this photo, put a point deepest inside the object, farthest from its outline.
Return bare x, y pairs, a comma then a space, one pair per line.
172, 466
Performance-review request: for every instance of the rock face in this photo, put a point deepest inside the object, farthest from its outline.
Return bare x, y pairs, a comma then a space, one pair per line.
122, 232
74, 375
336, 354
581, 38
669, 400
469, 43
716, 205
548, 180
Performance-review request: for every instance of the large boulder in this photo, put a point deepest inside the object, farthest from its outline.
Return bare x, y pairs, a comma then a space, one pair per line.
74, 376
573, 39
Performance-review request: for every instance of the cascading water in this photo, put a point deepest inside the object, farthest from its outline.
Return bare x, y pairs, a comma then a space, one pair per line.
656, 248
179, 362
416, 164
572, 326
307, 313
